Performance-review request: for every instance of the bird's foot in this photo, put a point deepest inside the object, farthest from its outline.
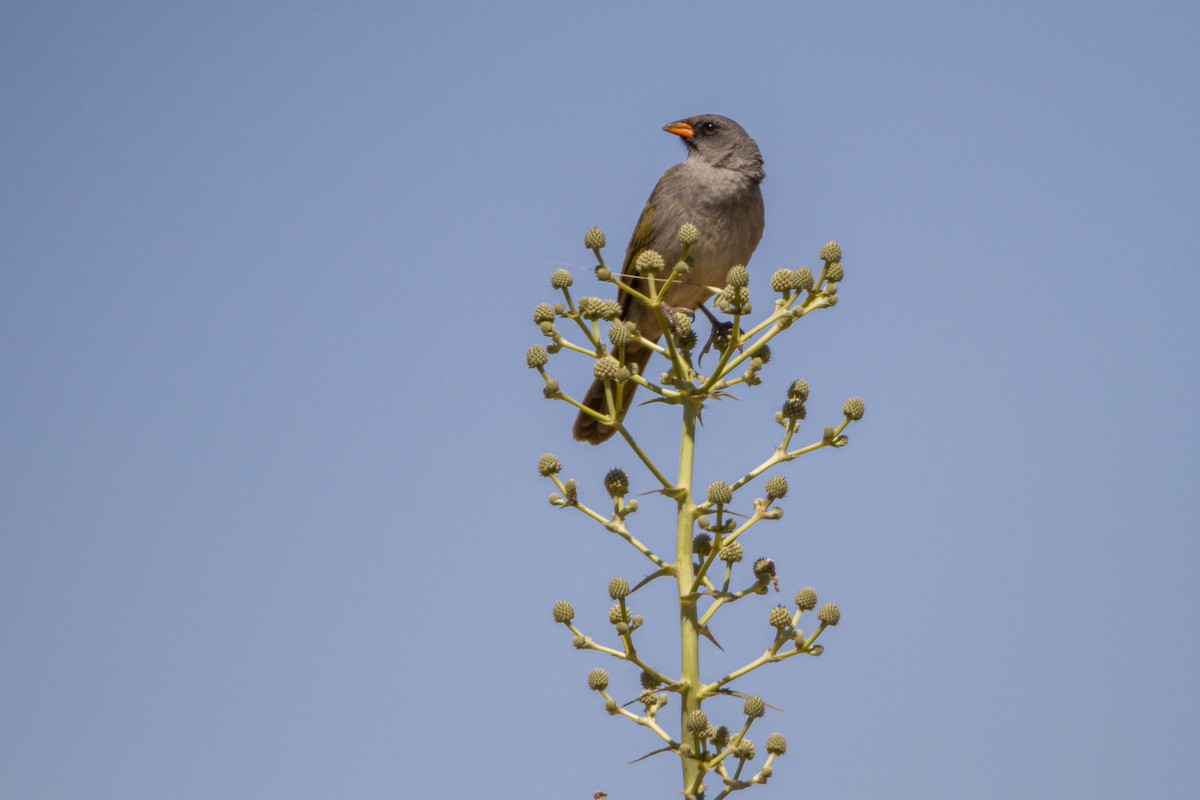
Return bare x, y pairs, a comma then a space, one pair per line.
719, 337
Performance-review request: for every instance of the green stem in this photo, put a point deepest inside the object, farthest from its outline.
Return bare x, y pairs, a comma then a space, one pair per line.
689, 624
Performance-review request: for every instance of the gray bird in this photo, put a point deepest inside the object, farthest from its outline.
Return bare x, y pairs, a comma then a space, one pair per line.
716, 189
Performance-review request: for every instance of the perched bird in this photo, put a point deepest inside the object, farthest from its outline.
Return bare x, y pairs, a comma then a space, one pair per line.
717, 190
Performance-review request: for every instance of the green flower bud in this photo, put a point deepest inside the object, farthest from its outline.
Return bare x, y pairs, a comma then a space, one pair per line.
832, 251
738, 276
550, 390
564, 612
561, 279
616, 482
549, 465
830, 614
571, 488
854, 409
776, 744
649, 262
697, 722
805, 280
649, 681
834, 273
745, 750
536, 356
754, 707
793, 408
688, 234
603, 273
779, 617
799, 388
594, 239
681, 269
731, 553
543, 312
783, 280
612, 707
610, 310
720, 737
597, 680
605, 368
702, 544
720, 493
806, 598
618, 587
777, 487
580, 642
621, 333
764, 568
556, 499
764, 354
617, 616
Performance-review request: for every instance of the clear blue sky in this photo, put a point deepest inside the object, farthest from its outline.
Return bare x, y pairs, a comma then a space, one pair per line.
270, 525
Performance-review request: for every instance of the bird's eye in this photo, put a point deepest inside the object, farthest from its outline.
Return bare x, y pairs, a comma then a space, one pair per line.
709, 127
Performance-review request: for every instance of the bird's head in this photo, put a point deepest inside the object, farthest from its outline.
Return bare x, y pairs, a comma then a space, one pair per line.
720, 142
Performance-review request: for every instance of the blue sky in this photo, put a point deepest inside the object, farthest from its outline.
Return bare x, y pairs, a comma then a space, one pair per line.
270, 523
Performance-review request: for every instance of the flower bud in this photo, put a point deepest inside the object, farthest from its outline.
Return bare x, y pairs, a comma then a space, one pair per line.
549, 465
616, 482
618, 587
561, 279
720, 493
594, 239
564, 612
777, 487
806, 598
597, 680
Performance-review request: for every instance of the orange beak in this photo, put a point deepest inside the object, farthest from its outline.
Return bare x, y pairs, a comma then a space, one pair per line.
680, 129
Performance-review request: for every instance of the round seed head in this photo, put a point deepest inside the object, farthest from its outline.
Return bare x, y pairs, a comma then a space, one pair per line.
738, 276
776, 744
832, 251
597, 680
649, 262
777, 487
549, 465
731, 553
536, 357
806, 598
720, 493
830, 614
854, 409
804, 279
563, 612
561, 279
618, 587
779, 617
594, 239
616, 482
606, 368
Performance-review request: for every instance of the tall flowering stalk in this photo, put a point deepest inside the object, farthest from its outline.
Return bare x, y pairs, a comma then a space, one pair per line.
708, 530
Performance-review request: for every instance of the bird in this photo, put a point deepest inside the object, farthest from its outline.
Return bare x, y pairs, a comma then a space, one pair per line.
716, 188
